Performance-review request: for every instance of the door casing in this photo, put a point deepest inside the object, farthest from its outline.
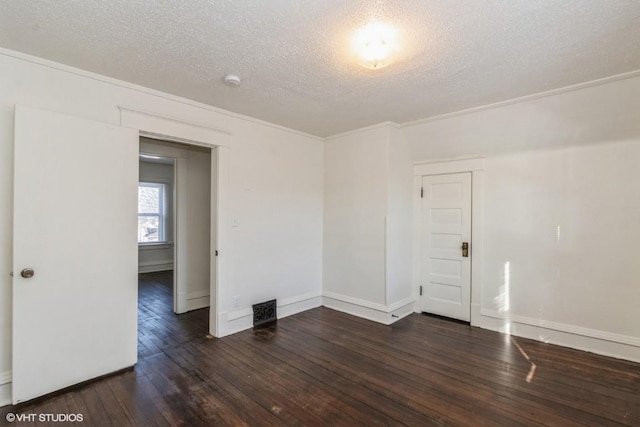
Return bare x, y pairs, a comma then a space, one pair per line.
171, 129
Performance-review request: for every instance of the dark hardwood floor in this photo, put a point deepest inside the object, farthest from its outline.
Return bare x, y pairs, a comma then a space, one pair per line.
158, 327
326, 368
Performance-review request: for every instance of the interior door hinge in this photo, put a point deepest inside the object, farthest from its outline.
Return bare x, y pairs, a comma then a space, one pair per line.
420, 290
421, 192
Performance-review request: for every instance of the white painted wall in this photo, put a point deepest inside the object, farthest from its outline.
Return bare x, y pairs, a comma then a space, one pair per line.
561, 213
276, 191
367, 224
591, 115
275, 188
355, 210
158, 257
198, 230
565, 221
400, 220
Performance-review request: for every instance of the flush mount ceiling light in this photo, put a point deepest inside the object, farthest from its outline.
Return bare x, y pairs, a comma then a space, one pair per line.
375, 45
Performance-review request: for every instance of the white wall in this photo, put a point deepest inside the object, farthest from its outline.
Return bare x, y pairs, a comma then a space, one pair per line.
565, 221
197, 253
275, 188
276, 192
355, 209
399, 220
367, 224
158, 257
561, 213
591, 115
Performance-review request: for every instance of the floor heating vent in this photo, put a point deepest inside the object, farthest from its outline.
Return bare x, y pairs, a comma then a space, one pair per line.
264, 314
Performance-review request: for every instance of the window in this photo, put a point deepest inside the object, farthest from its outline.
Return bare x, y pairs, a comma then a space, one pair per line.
151, 212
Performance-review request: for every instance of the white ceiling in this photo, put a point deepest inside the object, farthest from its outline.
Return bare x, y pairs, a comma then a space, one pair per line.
294, 58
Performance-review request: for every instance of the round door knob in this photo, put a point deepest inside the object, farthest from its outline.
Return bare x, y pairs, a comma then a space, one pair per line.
27, 273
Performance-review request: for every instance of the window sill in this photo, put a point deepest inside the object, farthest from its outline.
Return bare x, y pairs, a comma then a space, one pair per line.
154, 246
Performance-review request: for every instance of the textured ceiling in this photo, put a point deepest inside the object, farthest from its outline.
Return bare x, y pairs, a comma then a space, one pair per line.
294, 57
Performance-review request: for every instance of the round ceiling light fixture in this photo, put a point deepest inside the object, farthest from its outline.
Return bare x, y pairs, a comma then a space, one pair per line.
232, 80
375, 45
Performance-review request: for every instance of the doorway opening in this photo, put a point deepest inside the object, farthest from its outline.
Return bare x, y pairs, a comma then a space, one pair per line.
175, 236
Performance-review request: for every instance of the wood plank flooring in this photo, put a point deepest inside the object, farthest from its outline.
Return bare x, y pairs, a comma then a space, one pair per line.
326, 368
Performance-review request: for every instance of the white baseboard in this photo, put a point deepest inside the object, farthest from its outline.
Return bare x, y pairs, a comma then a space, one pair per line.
197, 303
591, 340
5, 388
240, 320
385, 314
154, 267
298, 304
193, 301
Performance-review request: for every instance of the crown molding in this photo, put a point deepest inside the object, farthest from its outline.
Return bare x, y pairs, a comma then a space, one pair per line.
148, 91
539, 95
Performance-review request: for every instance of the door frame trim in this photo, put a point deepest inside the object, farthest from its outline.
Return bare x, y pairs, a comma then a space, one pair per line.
157, 126
441, 167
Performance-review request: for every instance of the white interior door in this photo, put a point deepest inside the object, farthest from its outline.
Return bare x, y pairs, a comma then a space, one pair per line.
446, 226
75, 201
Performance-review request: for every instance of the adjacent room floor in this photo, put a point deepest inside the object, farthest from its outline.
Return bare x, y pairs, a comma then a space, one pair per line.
323, 367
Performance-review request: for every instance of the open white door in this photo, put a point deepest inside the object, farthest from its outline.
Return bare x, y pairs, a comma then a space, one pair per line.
75, 200
446, 245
